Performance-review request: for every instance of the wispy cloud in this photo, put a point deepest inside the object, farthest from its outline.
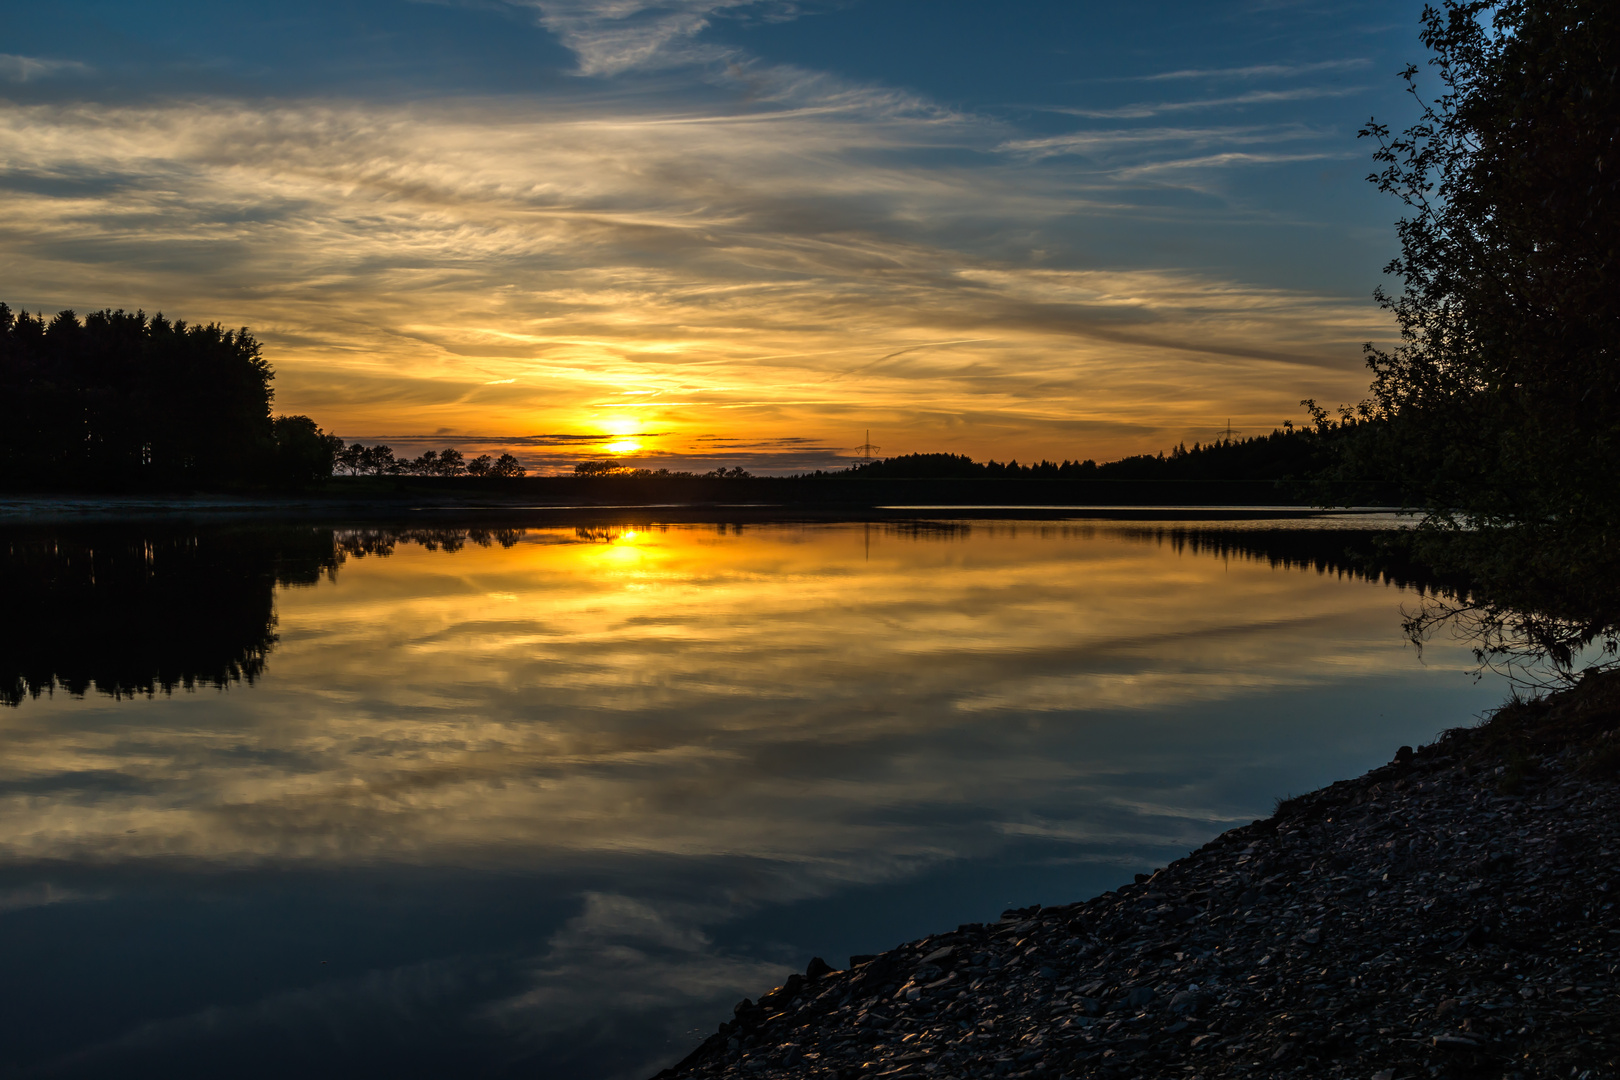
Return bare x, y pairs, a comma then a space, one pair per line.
614, 36
1254, 71
22, 69
1144, 109
1139, 140
40, 894
1227, 160
483, 265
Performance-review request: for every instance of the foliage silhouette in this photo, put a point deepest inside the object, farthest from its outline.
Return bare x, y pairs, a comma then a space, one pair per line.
1287, 454
1504, 392
120, 400
359, 460
1501, 404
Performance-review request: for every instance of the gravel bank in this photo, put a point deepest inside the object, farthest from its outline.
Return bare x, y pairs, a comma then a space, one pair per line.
1450, 914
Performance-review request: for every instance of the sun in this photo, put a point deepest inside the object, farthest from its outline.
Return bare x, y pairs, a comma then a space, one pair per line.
622, 446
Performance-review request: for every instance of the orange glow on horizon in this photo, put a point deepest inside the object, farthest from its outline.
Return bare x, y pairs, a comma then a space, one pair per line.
686, 306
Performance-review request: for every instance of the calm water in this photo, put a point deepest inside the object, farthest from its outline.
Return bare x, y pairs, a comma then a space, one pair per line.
548, 801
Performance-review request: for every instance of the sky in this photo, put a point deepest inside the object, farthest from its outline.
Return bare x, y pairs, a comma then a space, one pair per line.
700, 233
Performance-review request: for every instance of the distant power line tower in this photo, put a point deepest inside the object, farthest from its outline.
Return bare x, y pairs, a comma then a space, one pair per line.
1228, 430
866, 449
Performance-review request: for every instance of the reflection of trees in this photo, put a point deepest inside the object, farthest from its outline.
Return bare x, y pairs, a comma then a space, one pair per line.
1542, 615
1536, 648
1537, 629
140, 609
606, 534
380, 543
1362, 553
134, 611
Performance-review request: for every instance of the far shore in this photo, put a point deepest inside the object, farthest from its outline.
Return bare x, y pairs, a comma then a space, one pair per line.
546, 498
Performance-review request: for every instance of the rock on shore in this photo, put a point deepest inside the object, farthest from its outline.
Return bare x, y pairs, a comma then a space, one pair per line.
1450, 914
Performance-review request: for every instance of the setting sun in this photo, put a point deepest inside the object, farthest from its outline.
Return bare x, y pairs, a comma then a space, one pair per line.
622, 446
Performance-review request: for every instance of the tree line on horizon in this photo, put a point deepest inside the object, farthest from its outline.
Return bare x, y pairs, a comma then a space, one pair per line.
1287, 454
379, 460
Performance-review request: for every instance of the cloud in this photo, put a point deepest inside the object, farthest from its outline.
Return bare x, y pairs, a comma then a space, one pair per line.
1255, 71
1143, 110
614, 36
40, 894
22, 69
622, 953
672, 724
803, 265
1125, 141
1223, 161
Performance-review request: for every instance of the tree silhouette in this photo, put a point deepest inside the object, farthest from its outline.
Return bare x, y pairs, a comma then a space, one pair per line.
507, 466
1502, 398
451, 463
305, 455
121, 400
1505, 387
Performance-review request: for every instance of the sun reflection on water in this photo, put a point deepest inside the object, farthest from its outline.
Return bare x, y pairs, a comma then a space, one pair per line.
696, 691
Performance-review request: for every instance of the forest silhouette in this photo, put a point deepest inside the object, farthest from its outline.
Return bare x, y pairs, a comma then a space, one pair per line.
118, 400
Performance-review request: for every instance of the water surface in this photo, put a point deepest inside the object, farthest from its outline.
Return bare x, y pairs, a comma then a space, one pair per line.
493, 802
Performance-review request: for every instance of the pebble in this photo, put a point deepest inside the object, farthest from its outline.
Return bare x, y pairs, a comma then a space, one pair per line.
1447, 915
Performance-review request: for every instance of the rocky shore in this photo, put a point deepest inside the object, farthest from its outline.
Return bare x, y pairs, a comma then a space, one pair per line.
1450, 914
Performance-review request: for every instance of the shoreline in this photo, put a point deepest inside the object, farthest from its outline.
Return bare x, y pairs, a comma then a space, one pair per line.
30, 510
1449, 914
375, 497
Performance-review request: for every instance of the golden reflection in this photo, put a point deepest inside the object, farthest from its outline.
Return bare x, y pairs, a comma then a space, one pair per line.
704, 691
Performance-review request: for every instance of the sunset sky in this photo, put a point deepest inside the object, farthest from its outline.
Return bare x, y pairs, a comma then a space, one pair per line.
724, 232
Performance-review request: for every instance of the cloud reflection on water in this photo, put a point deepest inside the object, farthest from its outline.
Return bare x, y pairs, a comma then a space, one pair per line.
679, 728
677, 691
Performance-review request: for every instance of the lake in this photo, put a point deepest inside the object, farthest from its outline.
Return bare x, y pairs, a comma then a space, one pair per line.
481, 801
